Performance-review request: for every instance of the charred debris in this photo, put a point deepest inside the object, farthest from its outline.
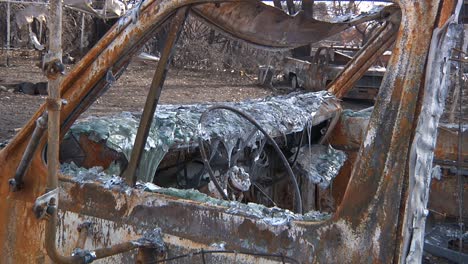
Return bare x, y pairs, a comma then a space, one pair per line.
286, 179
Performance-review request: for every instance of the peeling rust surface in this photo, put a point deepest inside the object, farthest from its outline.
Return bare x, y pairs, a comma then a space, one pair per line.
183, 218
364, 228
379, 171
264, 25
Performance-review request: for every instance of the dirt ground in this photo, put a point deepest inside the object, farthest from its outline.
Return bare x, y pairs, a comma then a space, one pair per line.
127, 94
130, 91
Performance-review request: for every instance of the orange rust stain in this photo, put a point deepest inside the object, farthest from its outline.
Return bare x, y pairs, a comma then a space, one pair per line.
21, 233
97, 154
446, 11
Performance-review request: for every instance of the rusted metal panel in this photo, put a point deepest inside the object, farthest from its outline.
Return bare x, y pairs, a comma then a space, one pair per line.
447, 148
444, 200
314, 73
349, 135
363, 229
340, 183
104, 232
376, 181
364, 59
186, 219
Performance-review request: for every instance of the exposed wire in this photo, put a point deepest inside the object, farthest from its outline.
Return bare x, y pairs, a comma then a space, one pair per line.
209, 169
298, 198
203, 252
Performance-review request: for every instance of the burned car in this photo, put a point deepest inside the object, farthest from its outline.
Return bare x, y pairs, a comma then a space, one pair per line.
314, 73
291, 178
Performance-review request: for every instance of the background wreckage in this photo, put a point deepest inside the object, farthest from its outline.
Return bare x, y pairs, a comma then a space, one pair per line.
375, 212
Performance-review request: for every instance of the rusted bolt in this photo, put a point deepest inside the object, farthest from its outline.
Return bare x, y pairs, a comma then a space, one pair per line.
53, 69
14, 185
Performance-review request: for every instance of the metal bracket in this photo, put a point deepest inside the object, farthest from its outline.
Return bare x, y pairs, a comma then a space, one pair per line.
43, 202
17, 183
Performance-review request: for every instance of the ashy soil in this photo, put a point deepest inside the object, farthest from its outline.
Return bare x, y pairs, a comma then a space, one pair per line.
130, 91
127, 94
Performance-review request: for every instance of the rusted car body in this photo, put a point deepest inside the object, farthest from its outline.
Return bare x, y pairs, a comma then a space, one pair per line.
378, 220
316, 72
304, 74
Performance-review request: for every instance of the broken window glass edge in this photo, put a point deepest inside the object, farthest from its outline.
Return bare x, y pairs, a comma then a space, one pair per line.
269, 215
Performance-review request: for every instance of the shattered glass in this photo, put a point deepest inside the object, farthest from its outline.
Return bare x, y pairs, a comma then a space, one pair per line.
178, 126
